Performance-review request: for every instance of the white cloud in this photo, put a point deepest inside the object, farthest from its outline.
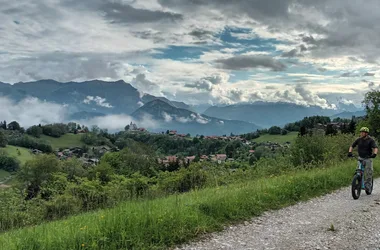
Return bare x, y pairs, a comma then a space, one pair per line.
118, 122
31, 111
167, 117
98, 101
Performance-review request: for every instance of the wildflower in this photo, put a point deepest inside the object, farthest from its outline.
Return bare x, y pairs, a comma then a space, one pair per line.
82, 245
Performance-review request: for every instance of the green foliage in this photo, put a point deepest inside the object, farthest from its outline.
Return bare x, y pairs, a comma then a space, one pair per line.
3, 139
29, 142
37, 172
55, 130
308, 123
372, 105
317, 149
183, 180
35, 131
14, 126
73, 168
8, 163
131, 160
331, 130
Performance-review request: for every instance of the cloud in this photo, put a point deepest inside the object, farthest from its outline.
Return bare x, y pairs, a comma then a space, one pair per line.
98, 101
345, 101
200, 119
118, 122
245, 62
123, 13
167, 117
207, 83
140, 104
31, 111
291, 53
143, 84
349, 74
369, 74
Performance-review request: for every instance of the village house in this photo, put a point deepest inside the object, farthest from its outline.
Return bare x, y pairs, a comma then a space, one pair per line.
204, 158
190, 159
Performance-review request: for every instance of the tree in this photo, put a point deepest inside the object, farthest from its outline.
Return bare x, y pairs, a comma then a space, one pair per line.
37, 172
275, 130
372, 106
331, 130
352, 126
3, 140
3, 125
302, 131
35, 131
14, 126
284, 132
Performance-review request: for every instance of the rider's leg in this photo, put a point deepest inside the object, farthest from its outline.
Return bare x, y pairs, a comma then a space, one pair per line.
368, 173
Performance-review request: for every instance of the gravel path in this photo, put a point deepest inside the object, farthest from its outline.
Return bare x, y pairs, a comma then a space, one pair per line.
306, 226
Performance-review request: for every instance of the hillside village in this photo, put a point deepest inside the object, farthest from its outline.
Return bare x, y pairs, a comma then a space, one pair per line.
92, 154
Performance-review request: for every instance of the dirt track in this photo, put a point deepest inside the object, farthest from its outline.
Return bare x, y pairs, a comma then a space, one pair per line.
307, 225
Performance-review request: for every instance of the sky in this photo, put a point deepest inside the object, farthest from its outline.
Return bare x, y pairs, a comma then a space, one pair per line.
201, 52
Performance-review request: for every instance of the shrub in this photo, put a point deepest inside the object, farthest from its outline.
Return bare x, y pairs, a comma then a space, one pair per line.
9, 163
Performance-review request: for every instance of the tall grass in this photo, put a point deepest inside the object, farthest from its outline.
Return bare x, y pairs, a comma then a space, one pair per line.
164, 222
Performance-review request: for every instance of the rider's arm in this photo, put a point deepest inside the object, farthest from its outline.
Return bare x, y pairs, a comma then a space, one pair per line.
353, 145
374, 147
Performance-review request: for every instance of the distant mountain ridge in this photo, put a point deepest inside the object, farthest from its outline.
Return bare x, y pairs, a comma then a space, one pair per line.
185, 121
268, 114
100, 96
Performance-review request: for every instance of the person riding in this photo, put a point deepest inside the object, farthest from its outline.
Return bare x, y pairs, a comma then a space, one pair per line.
367, 149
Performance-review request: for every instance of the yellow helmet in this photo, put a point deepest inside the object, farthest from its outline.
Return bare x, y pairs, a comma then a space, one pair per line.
364, 129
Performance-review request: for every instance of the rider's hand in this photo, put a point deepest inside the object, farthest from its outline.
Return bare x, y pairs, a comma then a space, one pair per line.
350, 154
373, 155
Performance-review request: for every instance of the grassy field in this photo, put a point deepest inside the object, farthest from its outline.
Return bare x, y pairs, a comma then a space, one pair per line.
165, 222
24, 156
65, 141
277, 138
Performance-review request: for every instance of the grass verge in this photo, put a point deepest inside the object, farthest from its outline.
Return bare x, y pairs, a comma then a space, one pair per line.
165, 222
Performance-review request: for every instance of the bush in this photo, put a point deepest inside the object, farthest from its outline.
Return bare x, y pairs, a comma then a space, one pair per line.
183, 180
28, 142
9, 163
35, 131
62, 206
55, 130
308, 149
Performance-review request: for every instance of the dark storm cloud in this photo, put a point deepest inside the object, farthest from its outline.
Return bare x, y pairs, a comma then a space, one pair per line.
243, 62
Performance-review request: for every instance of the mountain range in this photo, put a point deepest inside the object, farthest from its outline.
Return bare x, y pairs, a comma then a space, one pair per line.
185, 121
89, 99
266, 114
